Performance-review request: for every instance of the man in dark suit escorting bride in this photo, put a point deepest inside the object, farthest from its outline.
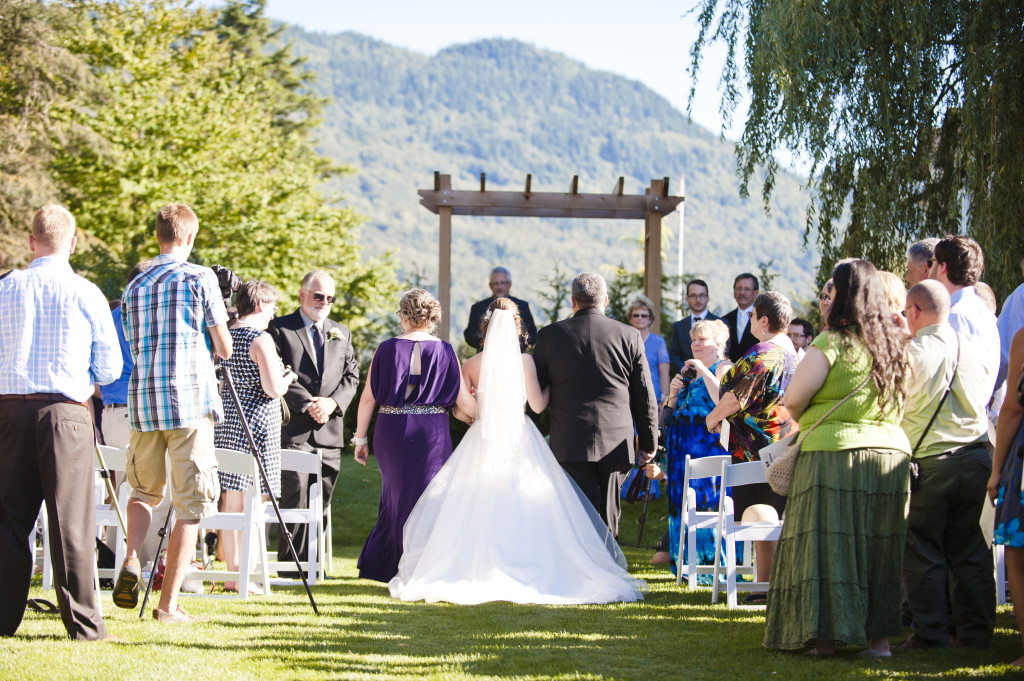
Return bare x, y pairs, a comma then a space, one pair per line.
600, 387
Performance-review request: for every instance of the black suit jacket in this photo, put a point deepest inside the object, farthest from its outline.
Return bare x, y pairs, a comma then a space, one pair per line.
479, 309
339, 381
679, 351
600, 386
741, 347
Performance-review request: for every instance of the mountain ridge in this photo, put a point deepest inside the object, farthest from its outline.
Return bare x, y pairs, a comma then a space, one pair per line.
507, 108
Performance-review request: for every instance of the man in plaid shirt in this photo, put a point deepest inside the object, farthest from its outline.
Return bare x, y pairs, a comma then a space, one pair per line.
173, 402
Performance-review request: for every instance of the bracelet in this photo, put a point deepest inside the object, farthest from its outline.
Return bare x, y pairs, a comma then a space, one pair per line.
359, 440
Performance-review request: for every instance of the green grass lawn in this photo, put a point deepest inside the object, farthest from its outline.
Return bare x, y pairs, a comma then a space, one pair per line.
362, 633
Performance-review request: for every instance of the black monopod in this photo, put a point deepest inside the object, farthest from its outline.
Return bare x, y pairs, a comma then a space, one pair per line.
646, 491
285, 532
159, 547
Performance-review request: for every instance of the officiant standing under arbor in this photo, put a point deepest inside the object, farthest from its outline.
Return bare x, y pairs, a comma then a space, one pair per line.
500, 283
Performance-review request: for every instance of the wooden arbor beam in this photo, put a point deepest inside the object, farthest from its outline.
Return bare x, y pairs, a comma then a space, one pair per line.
650, 207
548, 204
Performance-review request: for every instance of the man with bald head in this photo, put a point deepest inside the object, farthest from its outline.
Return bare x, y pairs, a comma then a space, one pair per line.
57, 341
951, 377
320, 351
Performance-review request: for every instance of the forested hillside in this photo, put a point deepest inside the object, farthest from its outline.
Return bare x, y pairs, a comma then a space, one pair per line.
507, 109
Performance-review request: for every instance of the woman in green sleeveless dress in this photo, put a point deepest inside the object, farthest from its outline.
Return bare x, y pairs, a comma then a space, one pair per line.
837, 569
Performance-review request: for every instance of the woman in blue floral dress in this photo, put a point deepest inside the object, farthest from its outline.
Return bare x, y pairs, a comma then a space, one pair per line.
690, 401
1004, 486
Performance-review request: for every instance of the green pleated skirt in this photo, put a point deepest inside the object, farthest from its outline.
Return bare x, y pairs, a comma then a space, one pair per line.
837, 569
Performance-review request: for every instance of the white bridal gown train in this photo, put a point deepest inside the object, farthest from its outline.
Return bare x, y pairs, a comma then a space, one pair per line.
502, 521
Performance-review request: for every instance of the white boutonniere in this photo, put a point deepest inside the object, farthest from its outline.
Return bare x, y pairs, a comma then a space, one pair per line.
334, 335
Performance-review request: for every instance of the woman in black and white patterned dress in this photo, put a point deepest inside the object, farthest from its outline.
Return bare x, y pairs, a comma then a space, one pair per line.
259, 380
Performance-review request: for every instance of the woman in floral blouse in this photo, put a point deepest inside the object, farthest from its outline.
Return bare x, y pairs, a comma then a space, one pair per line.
751, 400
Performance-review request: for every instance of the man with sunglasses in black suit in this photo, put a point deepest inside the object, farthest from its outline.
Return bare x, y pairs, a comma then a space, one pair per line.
320, 351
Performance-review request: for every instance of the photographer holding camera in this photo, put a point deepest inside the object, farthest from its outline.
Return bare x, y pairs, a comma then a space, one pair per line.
173, 402
692, 396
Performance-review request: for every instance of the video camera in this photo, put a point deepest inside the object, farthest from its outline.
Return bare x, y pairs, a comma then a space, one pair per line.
228, 282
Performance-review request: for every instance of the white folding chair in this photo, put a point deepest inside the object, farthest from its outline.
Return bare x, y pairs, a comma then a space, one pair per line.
301, 462
693, 520
999, 558
115, 459
327, 544
41, 555
249, 522
731, 531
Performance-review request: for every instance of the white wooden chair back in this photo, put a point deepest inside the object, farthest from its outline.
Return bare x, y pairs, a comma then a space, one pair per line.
249, 522
692, 519
731, 531
313, 563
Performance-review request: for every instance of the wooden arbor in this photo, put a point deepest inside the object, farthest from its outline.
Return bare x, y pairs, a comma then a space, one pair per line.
651, 206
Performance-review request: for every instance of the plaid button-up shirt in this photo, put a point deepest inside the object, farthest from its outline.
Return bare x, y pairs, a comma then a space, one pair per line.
165, 312
56, 334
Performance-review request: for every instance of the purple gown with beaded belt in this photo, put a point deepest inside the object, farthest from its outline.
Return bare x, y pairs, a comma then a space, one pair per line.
411, 440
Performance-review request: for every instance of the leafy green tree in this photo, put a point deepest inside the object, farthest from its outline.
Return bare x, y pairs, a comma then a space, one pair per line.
912, 115
201, 106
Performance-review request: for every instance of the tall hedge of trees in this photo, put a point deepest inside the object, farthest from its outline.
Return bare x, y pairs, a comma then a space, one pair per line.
158, 101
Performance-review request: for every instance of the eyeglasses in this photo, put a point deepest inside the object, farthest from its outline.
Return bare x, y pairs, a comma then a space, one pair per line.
930, 262
702, 296
639, 315
321, 297
743, 289
796, 335
904, 311
824, 297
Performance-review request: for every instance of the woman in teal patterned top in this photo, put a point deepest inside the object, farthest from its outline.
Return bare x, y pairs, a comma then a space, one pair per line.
837, 570
1004, 485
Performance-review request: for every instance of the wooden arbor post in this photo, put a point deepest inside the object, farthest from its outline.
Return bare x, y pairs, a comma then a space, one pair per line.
650, 207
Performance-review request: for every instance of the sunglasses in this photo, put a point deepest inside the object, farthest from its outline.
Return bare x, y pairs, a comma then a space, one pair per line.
639, 315
320, 297
824, 297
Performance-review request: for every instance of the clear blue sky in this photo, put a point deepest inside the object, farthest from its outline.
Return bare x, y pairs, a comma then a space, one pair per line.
645, 41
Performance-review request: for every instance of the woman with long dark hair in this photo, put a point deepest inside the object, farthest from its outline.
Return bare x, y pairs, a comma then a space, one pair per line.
837, 570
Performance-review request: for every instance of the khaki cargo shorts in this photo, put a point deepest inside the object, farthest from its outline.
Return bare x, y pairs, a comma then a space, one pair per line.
194, 484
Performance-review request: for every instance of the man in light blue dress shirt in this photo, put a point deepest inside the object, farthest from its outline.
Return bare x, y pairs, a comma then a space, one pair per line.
57, 341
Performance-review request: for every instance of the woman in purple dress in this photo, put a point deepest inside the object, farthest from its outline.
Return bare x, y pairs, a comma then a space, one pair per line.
416, 380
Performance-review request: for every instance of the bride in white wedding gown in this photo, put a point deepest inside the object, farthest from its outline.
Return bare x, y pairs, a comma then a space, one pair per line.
501, 521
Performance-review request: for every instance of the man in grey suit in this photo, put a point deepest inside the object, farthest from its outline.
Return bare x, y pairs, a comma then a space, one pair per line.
320, 351
697, 299
600, 387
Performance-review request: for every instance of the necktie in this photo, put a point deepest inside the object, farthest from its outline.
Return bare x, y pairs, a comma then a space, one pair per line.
742, 319
318, 347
